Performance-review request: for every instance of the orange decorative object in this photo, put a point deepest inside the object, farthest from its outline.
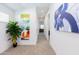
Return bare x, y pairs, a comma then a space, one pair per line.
25, 34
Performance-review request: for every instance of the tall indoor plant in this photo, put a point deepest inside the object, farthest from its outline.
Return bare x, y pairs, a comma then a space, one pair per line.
14, 30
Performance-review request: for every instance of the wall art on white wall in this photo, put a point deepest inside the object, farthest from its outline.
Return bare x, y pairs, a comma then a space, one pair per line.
65, 17
24, 20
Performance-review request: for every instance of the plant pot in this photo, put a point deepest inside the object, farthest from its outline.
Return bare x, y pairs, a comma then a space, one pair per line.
15, 45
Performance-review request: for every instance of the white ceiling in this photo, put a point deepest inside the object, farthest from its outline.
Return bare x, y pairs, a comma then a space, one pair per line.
41, 8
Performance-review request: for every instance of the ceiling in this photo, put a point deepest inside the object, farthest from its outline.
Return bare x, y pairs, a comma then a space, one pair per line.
41, 8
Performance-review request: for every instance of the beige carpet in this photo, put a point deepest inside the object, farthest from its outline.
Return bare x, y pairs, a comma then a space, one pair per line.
42, 48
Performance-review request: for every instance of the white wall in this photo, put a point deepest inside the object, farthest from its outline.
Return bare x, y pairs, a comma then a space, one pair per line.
33, 27
4, 42
62, 42
5, 9
46, 25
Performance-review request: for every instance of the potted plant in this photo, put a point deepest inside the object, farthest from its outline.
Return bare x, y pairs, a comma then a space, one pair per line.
14, 30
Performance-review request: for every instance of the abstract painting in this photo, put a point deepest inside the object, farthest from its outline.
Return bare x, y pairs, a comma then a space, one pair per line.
25, 25
64, 20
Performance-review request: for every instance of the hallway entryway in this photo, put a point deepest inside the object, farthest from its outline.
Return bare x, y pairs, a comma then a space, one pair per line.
41, 48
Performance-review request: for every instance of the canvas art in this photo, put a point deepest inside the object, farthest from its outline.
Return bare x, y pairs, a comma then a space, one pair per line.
25, 25
66, 18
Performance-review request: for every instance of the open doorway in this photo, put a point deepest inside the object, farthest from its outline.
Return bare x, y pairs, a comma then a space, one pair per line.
41, 29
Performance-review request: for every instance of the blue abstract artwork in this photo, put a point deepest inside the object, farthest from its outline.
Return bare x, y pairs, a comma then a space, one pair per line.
61, 14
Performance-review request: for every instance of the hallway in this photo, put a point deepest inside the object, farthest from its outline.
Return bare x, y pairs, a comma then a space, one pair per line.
41, 48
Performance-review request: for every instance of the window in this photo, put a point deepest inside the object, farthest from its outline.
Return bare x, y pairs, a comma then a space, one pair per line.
41, 26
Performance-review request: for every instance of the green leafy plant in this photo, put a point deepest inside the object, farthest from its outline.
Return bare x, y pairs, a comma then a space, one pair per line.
14, 30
